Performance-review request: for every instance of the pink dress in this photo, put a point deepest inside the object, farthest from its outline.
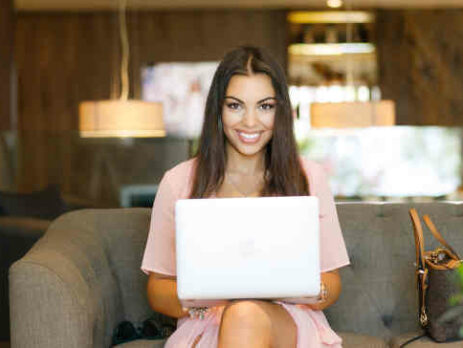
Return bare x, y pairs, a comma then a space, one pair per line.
313, 330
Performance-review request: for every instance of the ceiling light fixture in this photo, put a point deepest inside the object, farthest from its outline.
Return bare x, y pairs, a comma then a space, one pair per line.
121, 117
330, 49
334, 3
324, 17
352, 114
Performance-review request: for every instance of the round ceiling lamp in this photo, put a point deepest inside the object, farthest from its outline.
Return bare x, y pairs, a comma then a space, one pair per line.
334, 3
121, 117
352, 114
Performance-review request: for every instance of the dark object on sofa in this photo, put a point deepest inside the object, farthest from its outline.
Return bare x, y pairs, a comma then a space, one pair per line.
24, 218
46, 204
157, 327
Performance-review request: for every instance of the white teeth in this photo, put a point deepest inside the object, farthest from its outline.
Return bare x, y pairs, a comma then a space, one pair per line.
249, 136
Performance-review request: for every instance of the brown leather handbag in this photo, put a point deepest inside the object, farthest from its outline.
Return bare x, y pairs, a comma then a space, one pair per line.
437, 282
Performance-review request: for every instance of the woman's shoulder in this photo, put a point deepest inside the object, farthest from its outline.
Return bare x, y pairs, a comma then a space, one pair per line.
316, 175
180, 176
182, 169
311, 167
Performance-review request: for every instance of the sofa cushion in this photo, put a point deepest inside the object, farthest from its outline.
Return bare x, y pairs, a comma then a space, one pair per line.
353, 340
424, 342
44, 204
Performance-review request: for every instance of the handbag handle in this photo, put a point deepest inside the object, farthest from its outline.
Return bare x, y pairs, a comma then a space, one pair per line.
421, 269
419, 239
453, 254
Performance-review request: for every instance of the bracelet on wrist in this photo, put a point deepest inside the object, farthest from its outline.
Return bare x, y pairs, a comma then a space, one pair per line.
198, 312
323, 292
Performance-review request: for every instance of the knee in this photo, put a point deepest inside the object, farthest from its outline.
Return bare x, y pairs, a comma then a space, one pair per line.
246, 314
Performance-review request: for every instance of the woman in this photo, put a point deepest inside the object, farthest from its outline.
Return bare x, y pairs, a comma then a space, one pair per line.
247, 149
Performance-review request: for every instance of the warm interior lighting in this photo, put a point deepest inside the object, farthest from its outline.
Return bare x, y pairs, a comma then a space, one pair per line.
334, 3
330, 17
354, 111
119, 118
330, 49
353, 114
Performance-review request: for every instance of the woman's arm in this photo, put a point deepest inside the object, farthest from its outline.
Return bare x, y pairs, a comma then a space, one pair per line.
162, 296
332, 282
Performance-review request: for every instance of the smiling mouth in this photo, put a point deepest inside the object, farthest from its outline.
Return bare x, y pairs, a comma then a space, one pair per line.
249, 138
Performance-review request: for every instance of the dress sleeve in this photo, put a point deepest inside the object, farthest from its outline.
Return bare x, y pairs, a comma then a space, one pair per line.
333, 253
159, 255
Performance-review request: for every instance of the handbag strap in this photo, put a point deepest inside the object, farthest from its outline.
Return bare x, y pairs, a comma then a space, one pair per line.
421, 269
419, 240
439, 237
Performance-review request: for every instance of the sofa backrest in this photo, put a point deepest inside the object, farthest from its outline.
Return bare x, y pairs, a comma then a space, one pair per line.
379, 295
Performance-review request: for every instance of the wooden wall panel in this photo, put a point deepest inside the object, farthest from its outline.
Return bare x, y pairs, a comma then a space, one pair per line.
65, 58
421, 64
6, 60
62, 60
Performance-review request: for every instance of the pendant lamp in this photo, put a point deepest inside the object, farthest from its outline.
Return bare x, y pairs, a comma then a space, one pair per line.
352, 114
121, 117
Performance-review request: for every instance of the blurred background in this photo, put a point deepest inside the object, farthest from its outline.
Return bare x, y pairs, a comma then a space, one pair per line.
98, 98
376, 87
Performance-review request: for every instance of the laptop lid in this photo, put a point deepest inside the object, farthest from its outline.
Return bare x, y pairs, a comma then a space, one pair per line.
242, 248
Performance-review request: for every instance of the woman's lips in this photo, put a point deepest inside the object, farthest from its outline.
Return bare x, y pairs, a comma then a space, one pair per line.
248, 137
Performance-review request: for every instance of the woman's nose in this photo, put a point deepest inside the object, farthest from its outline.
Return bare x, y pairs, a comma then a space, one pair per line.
250, 118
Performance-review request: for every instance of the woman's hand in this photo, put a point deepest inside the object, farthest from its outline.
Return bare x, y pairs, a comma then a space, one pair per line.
186, 305
331, 289
162, 295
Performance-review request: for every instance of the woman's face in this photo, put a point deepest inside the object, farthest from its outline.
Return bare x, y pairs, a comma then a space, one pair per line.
248, 113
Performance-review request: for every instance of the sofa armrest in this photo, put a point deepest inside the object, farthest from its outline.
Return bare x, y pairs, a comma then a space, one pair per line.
17, 235
63, 292
47, 308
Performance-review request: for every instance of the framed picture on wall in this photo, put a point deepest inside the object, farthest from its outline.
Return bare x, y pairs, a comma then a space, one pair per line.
182, 88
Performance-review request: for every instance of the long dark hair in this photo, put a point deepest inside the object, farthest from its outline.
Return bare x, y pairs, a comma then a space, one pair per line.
284, 175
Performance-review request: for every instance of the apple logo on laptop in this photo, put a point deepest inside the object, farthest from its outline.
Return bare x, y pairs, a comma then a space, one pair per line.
247, 248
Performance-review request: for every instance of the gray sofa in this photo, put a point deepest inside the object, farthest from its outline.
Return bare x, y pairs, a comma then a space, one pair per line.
82, 277
24, 218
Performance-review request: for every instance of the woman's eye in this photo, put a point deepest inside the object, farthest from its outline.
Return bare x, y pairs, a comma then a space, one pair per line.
267, 106
234, 106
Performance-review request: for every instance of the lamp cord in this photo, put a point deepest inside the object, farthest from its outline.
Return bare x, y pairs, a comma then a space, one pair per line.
350, 82
349, 29
124, 50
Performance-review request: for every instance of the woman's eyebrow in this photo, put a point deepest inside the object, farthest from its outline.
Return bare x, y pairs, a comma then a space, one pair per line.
238, 100
265, 99
259, 102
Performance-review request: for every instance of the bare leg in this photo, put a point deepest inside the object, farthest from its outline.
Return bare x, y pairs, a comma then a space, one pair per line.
257, 324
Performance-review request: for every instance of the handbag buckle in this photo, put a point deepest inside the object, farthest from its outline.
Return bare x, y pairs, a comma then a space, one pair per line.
423, 318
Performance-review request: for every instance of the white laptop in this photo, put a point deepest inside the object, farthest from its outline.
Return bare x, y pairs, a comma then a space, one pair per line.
247, 248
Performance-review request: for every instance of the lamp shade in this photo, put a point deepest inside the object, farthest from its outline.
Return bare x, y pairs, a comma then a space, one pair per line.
121, 118
353, 114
